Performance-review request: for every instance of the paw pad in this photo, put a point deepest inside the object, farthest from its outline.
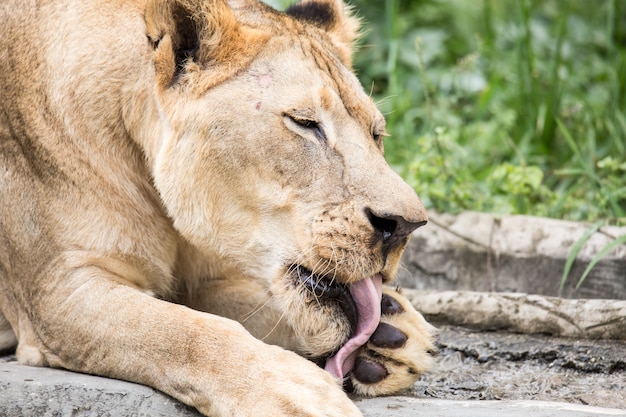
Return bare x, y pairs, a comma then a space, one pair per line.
368, 372
390, 305
388, 336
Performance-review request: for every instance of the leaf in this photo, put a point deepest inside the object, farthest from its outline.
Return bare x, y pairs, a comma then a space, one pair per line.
573, 253
569, 171
609, 247
570, 142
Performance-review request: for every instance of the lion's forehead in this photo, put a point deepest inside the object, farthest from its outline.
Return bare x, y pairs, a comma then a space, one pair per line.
315, 47
342, 81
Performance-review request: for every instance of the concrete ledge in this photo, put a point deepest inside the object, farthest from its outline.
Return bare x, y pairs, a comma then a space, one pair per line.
42, 392
523, 313
523, 254
411, 407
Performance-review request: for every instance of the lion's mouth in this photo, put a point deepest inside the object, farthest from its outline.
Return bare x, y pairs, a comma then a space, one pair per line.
319, 285
360, 301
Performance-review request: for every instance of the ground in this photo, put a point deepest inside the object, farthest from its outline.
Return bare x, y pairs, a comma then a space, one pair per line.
504, 366
517, 372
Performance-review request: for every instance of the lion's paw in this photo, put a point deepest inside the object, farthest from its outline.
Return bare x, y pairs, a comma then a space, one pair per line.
398, 352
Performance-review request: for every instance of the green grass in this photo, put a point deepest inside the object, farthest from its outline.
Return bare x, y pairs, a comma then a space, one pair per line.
503, 106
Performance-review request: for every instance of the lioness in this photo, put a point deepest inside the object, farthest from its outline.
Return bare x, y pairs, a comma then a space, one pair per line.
160, 155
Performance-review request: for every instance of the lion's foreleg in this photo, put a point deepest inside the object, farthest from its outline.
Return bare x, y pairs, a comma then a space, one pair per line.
82, 318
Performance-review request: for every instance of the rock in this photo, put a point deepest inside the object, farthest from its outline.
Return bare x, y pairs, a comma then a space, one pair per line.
410, 407
43, 392
484, 252
523, 313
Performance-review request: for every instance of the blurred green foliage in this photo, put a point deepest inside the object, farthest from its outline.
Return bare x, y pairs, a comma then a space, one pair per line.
504, 106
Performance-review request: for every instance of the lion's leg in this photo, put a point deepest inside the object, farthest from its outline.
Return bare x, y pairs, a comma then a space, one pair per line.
397, 353
83, 318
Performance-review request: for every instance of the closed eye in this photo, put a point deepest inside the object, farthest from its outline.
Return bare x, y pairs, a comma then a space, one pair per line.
307, 124
378, 137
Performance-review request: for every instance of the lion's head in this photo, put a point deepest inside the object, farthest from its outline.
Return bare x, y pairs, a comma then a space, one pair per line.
271, 159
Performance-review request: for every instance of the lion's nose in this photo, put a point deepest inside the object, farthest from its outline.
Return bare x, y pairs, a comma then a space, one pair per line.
391, 229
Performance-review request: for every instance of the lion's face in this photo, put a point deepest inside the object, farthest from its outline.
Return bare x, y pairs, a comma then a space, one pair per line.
278, 174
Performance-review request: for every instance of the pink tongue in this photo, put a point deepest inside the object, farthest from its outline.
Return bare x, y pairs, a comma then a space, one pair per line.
367, 294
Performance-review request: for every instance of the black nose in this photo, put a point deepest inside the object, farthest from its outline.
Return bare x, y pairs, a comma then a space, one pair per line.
391, 229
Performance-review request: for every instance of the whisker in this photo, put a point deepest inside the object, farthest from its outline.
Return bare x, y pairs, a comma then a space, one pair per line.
260, 306
320, 277
282, 316
334, 255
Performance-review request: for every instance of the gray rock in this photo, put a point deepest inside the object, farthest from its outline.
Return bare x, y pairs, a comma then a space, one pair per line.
484, 252
43, 392
411, 407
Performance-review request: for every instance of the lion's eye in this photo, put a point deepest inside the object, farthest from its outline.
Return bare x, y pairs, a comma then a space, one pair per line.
308, 124
378, 137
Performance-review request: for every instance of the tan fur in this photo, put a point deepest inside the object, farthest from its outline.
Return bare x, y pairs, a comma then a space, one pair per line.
149, 159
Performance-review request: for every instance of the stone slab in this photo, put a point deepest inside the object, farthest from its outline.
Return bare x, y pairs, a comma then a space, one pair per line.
523, 313
42, 392
485, 252
411, 407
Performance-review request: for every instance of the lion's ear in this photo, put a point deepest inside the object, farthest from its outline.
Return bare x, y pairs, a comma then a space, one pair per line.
192, 35
333, 16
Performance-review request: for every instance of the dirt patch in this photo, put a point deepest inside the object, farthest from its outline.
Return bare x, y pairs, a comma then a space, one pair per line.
505, 366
